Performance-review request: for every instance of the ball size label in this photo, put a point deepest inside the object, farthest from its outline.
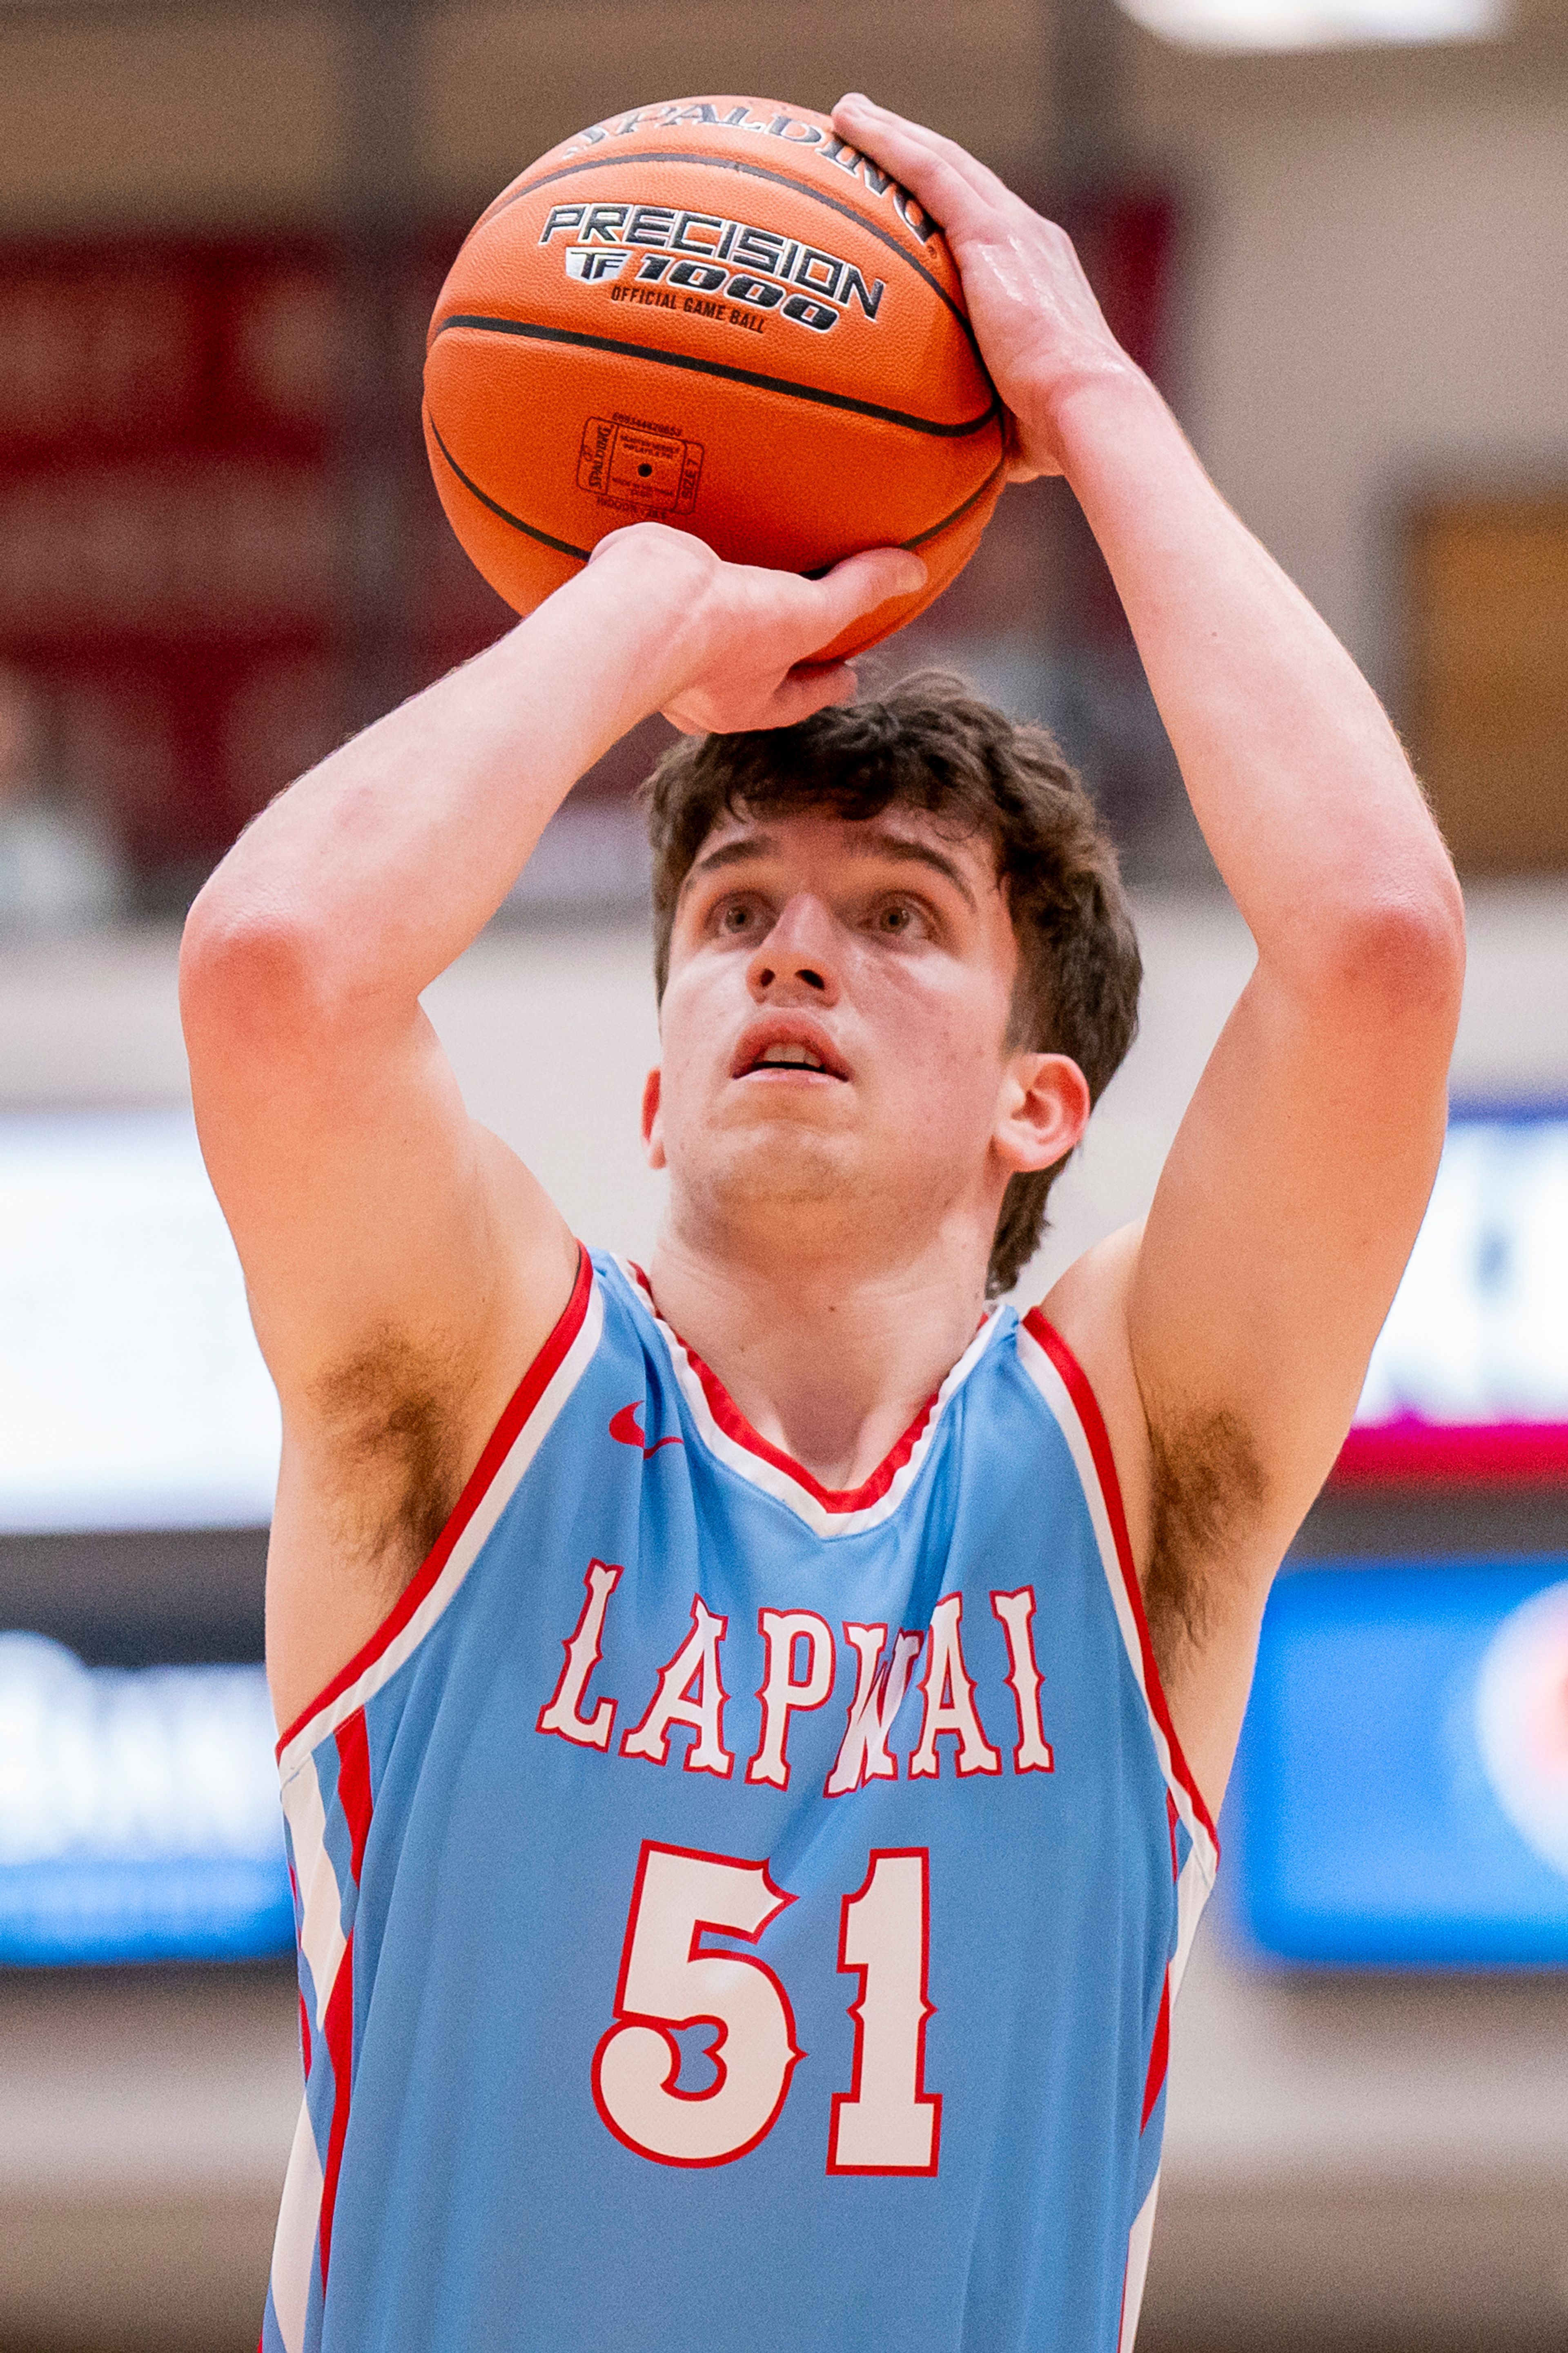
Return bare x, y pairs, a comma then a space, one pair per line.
647, 470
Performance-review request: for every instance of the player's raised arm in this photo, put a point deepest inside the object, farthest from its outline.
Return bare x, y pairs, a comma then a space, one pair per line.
1230, 1340
403, 1267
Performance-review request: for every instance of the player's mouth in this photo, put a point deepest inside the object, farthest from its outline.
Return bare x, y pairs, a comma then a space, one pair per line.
785, 1049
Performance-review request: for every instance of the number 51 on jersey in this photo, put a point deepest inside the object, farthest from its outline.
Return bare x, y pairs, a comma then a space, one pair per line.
886, 2122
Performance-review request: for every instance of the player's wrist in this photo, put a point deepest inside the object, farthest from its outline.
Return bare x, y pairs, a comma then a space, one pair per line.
696, 621
634, 601
1090, 412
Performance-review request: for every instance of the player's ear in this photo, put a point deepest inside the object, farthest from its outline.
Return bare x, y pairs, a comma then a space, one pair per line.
1042, 1112
652, 1140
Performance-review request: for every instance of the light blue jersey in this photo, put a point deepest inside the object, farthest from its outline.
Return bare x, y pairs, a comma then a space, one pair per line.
733, 1914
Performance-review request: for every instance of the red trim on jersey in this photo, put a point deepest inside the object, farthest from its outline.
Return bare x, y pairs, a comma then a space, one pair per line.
523, 1400
340, 2031
355, 1800
354, 1785
735, 1425
1159, 2054
1088, 1409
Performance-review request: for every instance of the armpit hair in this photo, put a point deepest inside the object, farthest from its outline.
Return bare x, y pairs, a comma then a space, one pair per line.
391, 1421
1208, 1492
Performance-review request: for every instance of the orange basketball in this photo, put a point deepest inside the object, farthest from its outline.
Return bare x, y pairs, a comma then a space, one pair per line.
716, 314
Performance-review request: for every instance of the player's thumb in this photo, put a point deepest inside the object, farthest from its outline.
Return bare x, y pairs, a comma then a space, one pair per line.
861, 583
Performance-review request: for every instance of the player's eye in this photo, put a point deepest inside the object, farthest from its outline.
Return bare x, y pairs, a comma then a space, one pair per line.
738, 919
897, 918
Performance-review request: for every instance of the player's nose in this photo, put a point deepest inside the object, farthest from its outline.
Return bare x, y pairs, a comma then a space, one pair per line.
798, 960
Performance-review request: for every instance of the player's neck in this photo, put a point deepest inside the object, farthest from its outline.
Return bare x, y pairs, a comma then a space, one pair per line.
825, 1359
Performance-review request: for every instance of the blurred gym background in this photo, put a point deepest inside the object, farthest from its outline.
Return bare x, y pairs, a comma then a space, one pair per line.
1337, 232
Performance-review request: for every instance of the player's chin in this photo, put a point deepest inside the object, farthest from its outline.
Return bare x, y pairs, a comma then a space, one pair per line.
788, 1096
790, 1158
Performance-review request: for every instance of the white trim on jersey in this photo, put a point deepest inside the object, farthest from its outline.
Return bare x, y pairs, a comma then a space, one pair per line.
321, 1938
1139, 2241
1192, 1893
834, 1518
294, 2241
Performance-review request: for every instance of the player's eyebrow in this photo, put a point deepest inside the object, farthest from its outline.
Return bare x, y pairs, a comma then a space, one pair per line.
895, 846
735, 853
867, 843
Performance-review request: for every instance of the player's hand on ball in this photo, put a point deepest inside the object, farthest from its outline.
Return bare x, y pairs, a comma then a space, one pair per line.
736, 652
1040, 329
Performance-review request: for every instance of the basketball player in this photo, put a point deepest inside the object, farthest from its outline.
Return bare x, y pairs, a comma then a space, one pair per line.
754, 1728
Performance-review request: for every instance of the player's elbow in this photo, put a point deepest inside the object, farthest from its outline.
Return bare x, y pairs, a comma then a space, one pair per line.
1398, 958
250, 978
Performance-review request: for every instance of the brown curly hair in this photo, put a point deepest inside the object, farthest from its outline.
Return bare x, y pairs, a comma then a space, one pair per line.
931, 744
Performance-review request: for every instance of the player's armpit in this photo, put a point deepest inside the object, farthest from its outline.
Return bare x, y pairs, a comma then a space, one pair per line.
1209, 1497
392, 1432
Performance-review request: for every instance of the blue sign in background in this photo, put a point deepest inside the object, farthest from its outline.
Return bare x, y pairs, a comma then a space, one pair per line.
1368, 1824
104, 1909
139, 1812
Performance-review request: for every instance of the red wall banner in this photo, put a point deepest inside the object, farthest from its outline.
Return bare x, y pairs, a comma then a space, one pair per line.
174, 580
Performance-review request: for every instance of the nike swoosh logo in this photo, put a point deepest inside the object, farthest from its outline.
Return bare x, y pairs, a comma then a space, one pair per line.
625, 1427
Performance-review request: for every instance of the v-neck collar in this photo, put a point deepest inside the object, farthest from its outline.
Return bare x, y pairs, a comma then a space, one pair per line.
829, 1511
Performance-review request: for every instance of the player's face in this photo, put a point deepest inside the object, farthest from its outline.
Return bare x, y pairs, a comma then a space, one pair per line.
835, 1033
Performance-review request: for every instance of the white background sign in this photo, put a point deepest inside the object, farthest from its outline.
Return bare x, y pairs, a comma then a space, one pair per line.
132, 1394
1479, 1331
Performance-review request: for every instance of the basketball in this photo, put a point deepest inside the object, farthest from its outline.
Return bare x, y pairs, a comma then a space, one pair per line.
712, 314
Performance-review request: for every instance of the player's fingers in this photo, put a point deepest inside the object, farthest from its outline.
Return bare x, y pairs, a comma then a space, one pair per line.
861, 583
944, 194
977, 176
808, 687
916, 146
811, 686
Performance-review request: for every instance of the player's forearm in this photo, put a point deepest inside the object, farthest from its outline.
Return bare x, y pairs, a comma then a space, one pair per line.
1297, 779
378, 868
